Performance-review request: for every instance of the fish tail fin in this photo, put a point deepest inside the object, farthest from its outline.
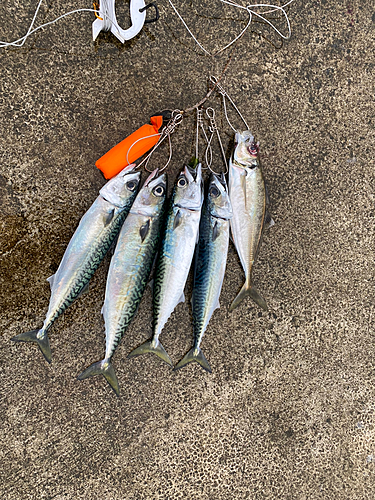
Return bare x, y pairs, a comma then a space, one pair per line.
248, 290
195, 354
40, 337
154, 347
104, 368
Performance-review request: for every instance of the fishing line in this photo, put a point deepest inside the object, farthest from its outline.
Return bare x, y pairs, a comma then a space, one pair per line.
250, 9
20, 42
210, 112
176, 119
224, 95
200, 127
105, 12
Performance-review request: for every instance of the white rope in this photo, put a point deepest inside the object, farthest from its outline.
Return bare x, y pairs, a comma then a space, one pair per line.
251, 10
30, 31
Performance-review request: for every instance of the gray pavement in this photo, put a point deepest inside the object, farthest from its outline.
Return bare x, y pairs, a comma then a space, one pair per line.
288, 412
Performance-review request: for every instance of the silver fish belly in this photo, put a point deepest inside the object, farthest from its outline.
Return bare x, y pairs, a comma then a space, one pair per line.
87, 248
210, 264
247, 192
129, 270
175, 256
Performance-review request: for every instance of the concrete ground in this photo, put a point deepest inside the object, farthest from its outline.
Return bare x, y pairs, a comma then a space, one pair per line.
289, 410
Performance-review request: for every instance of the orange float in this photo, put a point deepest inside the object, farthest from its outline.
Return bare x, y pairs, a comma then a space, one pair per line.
130, 149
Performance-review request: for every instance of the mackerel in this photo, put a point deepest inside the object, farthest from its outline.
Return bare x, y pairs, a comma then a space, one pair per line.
248, 195
95, 234
130, 269
210, 263
176, 254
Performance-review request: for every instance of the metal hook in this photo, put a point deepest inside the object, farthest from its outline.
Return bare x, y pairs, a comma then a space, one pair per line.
210, 112
224, 95
200, 125
176, 119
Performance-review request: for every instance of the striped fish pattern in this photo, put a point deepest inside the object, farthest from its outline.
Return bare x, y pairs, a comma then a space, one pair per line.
130, 269
210, 264
248, 195
95, 234
176, 254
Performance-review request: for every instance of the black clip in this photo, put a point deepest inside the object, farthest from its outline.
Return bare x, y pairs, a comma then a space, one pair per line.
157, 15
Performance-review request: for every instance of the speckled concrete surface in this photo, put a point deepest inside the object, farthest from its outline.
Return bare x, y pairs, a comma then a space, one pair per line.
288, 412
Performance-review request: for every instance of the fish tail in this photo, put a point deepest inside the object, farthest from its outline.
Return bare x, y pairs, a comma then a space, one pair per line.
104, 368
154, 347
40, 337
248, 290
195, 354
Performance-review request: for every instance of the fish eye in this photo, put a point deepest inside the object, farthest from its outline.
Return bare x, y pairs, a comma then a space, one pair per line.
214, 192
158, 191
181, 182
131, 185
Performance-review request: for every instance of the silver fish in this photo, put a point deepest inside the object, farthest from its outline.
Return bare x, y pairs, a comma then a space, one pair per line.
96, 232
248, 195
210, 263
176, 254
130, 269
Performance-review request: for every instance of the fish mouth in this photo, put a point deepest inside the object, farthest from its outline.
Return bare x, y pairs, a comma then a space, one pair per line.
221, 178
153, 179
128, 169
193, 174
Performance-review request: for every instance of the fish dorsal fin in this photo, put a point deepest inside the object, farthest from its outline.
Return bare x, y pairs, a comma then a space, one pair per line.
144, 230
103, 310
108, 217
51, 280
177, 220
215, 231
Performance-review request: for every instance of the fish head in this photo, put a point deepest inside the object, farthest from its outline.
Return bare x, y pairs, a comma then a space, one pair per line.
151, 197
122, 188
189, 188
246, 150
218, 201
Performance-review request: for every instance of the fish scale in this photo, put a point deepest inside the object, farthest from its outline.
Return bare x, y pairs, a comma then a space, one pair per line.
129, 271
248, 195
87, 248
175, 256
94, 258
210, 263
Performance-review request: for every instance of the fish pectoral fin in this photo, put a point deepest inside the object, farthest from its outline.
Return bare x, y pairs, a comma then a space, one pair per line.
108, 217
196, 355
144, 230
152, 347
177, 220
41, 340
104, 368
51, 280
215, 231
248, 290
